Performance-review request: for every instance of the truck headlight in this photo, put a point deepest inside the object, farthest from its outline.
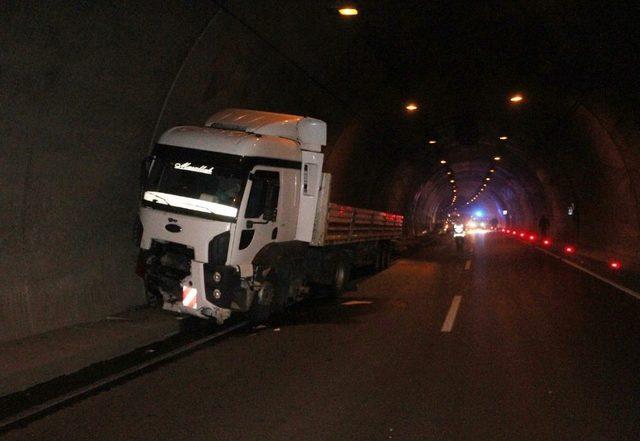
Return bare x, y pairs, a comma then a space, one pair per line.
217, 277
217, 293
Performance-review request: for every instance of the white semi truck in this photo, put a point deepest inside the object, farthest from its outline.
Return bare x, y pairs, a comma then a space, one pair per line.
235, 216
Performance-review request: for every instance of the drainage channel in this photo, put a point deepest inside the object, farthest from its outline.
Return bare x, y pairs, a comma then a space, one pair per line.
22, 407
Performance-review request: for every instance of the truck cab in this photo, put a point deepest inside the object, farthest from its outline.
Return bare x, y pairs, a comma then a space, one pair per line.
215, 197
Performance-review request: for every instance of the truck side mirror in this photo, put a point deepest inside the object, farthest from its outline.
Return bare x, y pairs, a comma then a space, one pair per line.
145, 168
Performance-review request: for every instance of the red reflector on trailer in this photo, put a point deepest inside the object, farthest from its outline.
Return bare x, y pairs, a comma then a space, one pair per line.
521, 234
569, 249
546, 242
615, 265
532, 237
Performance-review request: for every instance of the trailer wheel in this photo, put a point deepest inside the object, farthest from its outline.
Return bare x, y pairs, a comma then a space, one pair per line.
386, 256
341, 276
382, 257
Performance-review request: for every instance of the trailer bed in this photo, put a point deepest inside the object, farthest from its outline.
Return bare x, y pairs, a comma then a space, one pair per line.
341, 224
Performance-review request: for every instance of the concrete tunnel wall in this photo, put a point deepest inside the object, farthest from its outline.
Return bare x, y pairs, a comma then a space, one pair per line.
87, 88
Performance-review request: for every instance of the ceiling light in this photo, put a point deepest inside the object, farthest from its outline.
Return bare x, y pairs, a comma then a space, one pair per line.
487, 179
348, 11
516, 98
432, 141
452, 181
411, 107
443, 161
497, 158
492, 170
503, 138
449, 172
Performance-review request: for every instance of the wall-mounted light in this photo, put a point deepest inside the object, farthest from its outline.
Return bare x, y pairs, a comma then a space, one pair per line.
433, 141
516, 98
503, 138
497, 158
411, 107
348, 11
443, 161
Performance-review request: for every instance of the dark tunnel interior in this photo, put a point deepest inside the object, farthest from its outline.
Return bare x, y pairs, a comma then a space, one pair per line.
88, 87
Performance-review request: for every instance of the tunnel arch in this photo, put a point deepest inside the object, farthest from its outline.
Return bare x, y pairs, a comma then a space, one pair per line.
87, 88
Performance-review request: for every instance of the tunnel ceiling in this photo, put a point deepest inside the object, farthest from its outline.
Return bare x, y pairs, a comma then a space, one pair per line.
461, 63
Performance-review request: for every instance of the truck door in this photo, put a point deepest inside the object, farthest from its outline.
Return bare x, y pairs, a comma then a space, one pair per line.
257, 221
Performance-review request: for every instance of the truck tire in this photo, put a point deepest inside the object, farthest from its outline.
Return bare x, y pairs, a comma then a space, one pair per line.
341, 276
383, 257
262, 304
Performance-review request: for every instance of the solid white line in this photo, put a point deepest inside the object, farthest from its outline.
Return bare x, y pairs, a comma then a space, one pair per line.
114, 377
447, 326
624, 289
467, 266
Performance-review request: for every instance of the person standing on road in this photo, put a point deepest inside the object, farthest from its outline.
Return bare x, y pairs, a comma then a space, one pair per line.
543, 226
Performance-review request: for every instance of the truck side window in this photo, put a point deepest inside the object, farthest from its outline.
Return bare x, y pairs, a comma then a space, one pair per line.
265, 189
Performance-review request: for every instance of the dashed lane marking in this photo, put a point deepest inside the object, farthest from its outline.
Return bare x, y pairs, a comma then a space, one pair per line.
356, 302
447, 326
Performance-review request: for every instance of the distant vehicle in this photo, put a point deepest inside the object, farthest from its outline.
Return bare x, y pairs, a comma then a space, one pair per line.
235, 217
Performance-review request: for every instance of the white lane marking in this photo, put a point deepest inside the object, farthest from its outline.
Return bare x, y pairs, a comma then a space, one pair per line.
447, 326
467, 266
357, 302
624, 289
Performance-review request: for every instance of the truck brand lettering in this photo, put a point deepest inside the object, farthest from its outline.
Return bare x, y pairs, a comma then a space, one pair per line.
187, 166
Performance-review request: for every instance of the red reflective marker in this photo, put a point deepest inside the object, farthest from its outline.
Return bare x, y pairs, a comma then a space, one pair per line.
532, 237
515, 232
615, 265
569, 249
521, 234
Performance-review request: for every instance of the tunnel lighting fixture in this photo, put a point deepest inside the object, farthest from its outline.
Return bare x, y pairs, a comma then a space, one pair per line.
433, 141
443, 161
516, 98
569, 249
449, 172
505, 212
411, 107
503, 138
487, 179
497, 158
452, 181
615, 265
348, 11
455, 191
493, 170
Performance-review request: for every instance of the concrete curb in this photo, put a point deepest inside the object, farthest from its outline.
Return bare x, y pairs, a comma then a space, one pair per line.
34, 360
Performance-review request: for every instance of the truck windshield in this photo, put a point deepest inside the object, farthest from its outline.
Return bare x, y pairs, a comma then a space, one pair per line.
201, 183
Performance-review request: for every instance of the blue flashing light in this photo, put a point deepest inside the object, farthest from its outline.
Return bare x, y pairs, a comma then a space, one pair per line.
479, 213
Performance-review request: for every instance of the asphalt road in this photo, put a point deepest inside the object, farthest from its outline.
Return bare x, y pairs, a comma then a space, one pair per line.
536, 351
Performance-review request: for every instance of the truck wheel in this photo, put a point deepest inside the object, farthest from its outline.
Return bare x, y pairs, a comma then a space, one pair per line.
262, 304
382, 257
341, 275
387, 256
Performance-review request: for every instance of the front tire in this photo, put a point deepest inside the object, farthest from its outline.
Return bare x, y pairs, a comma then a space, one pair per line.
262, 304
